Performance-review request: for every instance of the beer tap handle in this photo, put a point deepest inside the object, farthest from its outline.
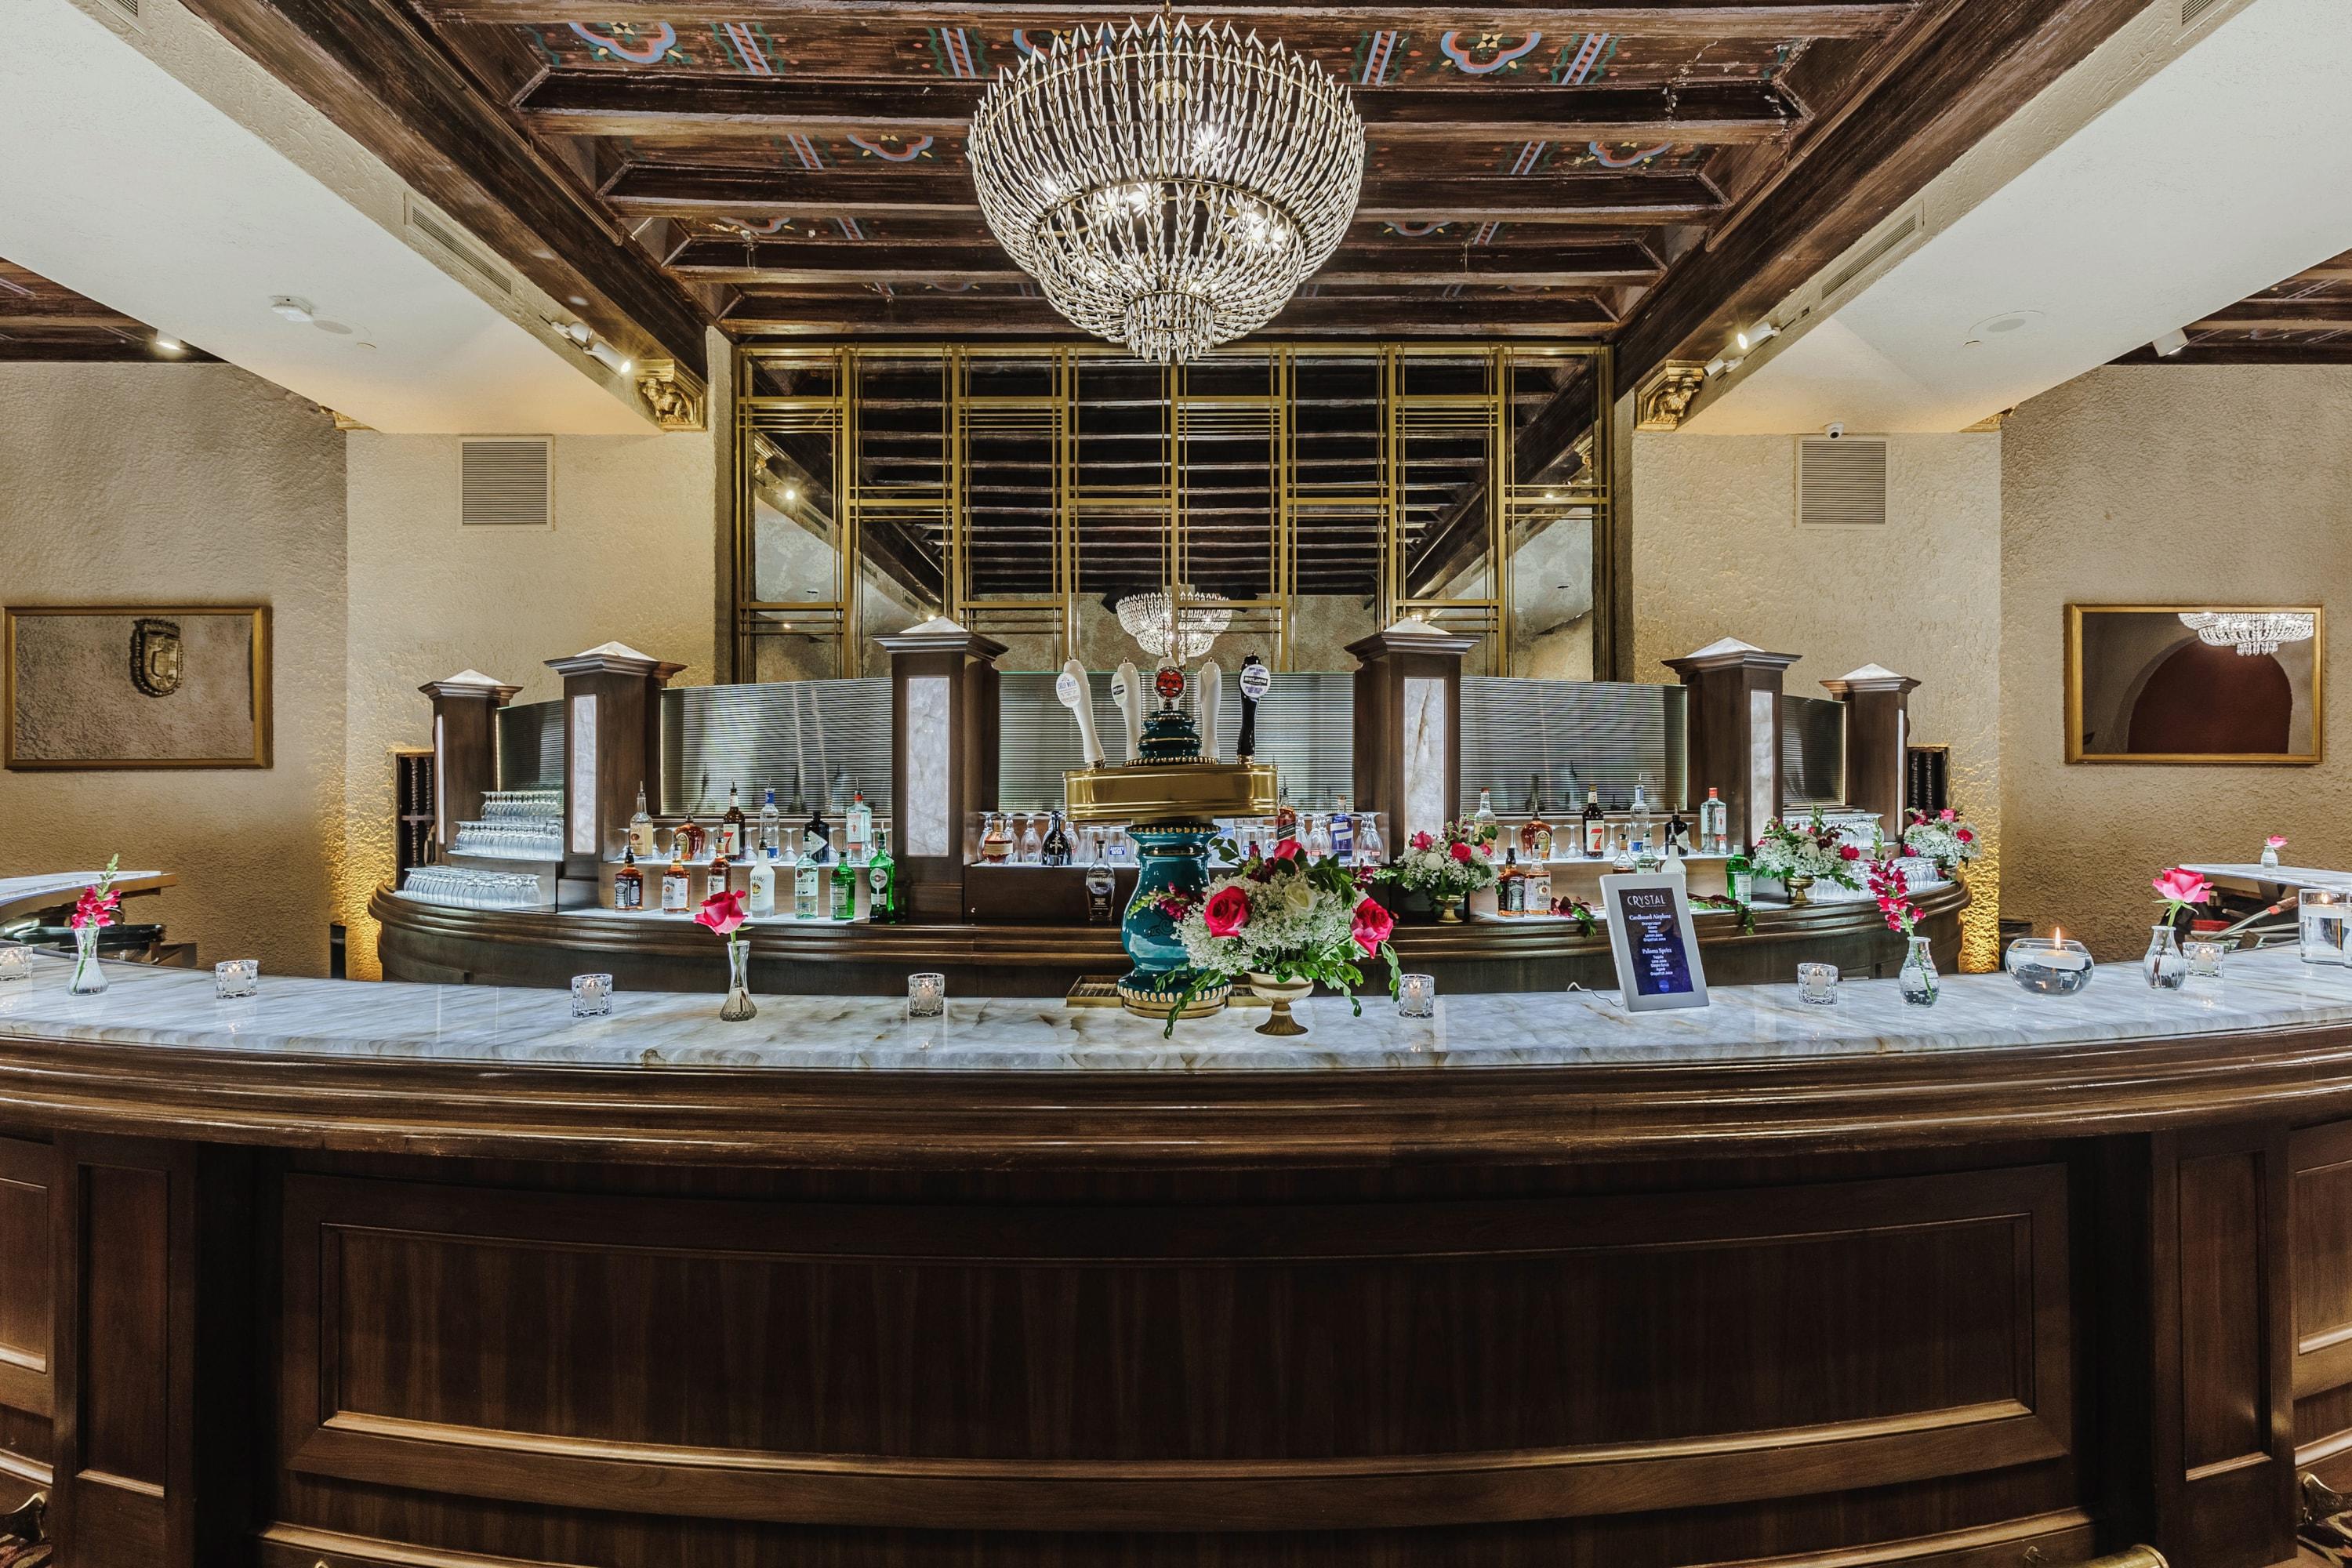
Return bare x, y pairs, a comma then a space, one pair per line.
1078, 696
1206, 697
1126, 690
1255, 681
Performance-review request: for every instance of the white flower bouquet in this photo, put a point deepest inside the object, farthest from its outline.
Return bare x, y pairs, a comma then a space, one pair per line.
1812, 851
1286, 917
1944, 838
1448, 869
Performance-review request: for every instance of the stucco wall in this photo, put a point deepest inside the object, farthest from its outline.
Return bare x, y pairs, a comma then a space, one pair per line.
631, 557
178, 484
2162, 484
1717, 552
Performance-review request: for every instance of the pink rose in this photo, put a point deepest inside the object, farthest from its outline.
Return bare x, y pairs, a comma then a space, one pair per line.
1226, 912
1965, 836
2275, 841
1424, 841
2180, 886
722, 912
1286, 851
1944, 815
1460, 852
1372, 926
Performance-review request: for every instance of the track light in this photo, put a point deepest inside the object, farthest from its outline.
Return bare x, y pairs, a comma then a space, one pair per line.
610, 357
167, 344
2172, 343
1760, 333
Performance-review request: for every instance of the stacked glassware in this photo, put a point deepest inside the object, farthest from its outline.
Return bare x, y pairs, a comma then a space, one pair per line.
516, 824
467, 888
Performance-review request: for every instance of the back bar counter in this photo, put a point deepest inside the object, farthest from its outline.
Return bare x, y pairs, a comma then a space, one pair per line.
948, 744
401, 1276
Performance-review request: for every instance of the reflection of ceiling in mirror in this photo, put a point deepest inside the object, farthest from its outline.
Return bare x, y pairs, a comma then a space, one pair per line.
2125, 653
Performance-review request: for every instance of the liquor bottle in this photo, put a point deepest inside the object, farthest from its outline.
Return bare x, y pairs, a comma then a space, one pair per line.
676, 882
1285, 820
995, 840
1677, 841
1674, 866
816, 838
1738, 878
1056, 852
1535, 834
882, 883
691, 838
1100, 882
730, 827
1510, 887
641, 826
804, 881
1370, 850
1343, 833
628, 883
1485, 815
1624, 861
861, 827
1714, 825
1538, 896
1596, 826
844, 889
772, 835
763, 886
714, 881
1642, 824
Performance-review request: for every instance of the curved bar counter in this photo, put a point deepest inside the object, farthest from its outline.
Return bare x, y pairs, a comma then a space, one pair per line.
425, 1275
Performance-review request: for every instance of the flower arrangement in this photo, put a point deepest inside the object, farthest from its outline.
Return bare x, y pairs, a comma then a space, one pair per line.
1946, 838
98, 908
724, 913
1286, 916
1894, 891
1813, 852
1448, 868
2181, 890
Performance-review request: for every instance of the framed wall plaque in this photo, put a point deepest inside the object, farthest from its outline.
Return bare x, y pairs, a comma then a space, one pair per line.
93, 687
1650, 937
2194, 683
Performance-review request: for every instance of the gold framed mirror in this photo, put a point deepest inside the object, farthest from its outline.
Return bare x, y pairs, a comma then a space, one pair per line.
2195, 683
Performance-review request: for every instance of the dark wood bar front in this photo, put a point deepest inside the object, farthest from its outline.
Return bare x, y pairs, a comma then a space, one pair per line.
402, 1274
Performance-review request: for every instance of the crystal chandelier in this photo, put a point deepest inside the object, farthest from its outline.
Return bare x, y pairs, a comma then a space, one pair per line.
1168, 188
1175, 623
2251, 632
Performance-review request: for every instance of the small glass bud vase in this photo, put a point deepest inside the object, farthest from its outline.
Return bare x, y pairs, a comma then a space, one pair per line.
2165, 965
88, 974
737, 1006
1918, 975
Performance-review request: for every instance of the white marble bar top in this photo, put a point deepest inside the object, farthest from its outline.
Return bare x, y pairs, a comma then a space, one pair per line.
176, 1008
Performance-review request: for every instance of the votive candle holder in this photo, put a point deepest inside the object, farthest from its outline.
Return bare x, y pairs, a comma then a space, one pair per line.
235, 978
927, 995
591, 995
1416, 996
1818, 984
15, 962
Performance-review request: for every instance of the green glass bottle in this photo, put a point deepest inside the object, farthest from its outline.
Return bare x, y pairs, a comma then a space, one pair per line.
882, 883
844, 889
1738, 878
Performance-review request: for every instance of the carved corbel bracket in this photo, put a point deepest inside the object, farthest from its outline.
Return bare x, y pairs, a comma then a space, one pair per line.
1666, 397
673, 396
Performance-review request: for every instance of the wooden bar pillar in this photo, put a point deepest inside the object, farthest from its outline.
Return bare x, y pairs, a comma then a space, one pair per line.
465, 747
943, 740
1735, 729
612, 731
1409, 727
1877, 732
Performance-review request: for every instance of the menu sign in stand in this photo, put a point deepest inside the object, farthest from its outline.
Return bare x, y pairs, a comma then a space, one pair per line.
1650, 936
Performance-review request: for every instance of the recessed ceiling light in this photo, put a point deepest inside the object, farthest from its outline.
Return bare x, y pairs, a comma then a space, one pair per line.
578, 300
2006, 324
362, 345
792, 492
338, 328
291, 307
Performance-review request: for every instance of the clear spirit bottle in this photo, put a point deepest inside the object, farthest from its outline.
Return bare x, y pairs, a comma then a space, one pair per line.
641, 826
771, 833
1485, 815
1714, 825
1538, 896
1640, 815
861, 826
1343, 833
804, 888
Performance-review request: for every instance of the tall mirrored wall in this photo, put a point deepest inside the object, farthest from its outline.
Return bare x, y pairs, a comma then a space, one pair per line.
1304, 495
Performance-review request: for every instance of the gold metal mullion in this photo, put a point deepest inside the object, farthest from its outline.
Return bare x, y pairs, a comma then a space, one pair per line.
1505, 479
1065, 485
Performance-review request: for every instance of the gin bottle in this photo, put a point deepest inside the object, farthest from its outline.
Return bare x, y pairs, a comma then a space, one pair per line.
1714, 825
1343, 832
1100, 881
844, 889
1642, 825
861, 826
882, 883
804, 886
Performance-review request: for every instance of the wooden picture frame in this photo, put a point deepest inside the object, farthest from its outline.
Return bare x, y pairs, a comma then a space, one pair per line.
225, 724
2112, 666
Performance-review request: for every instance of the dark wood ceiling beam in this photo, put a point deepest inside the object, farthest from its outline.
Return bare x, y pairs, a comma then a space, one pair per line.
715, 191
370, 69
1970, 65
2279, 315
702, 104
1545, 315
756, 261
1692, 21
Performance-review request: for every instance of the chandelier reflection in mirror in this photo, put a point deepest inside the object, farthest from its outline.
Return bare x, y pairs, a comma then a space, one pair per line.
1168, 188
2251, 632
1175, 623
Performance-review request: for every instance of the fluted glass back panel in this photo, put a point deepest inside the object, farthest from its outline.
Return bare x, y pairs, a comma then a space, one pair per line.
1575, 735
1812, 751
1306, 728
834, 735
531, 745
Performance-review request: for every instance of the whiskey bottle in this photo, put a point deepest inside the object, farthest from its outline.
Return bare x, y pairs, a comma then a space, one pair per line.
1285, 819
1535, 834
714, 878
628, 883
882, 883
676, 882
1510, 887
763, 886
690, 838
730, 827
641, 826
1596, 826
844, 889
1343, 833
1057, 842
772, 837
1714, 825
1538, 895
1485, 815
804, 888
861, 826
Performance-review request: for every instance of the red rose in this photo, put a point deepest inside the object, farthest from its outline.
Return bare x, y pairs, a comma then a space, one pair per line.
1286, 851
1965, 836
1226, 912
1460, 852
1848, 852
1424, 841
722, 912
1372, 926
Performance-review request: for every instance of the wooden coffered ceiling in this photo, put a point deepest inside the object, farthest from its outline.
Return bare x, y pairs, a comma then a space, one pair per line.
44, 321
2304, 320
1640, 171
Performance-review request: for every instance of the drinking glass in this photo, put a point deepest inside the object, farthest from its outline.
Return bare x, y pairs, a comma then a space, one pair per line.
15, 962
1817, 983
927, 995
1416, 996
235, 978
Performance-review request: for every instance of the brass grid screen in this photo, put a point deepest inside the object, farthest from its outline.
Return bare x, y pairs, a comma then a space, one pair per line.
1323, 491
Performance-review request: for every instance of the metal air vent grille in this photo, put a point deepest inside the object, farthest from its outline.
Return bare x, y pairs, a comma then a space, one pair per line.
1841, 482
508, 483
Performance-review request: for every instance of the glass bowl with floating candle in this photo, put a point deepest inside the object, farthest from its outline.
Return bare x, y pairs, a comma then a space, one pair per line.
2052, 965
